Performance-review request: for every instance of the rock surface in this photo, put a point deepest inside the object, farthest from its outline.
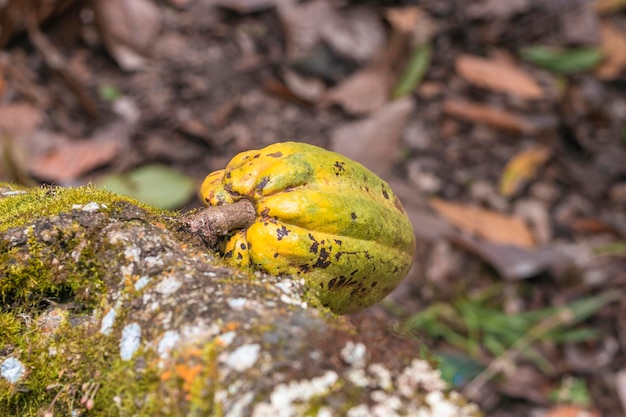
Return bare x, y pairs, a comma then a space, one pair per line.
108, 308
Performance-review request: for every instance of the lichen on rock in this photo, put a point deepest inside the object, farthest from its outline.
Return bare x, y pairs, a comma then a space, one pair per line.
109, 308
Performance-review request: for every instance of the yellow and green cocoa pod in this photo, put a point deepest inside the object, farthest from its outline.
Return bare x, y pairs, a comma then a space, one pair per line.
320, 216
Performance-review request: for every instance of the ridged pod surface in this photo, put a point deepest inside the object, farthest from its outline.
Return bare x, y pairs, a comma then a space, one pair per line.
320, 216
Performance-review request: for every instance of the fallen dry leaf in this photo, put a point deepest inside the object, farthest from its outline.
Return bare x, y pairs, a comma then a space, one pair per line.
307, 88
570, 411
19, 120
246, 6
515, 263
403, 19
497, 76
580, 25
608, 6
489, 225
374, 141
522, 168
364, 92
129, 29
497, 9
494, 117
614, 49
302, 24
355, 33
69, 161
620, 387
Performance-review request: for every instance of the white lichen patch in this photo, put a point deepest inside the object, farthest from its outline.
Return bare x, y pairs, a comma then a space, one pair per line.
291, 290
108, 321
10, 193
142, 282
440, 406
90, 207
238, 408
381, 376
12, 370
132, 253
242, 358
290, 400
419, 374
130, 341
226, 338
167, 343
236, 303
153, 261
354, 354
168, 285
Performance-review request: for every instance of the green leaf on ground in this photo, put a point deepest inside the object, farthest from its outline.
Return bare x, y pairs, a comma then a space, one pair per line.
156, 185
109, 93
562, 61
414, 71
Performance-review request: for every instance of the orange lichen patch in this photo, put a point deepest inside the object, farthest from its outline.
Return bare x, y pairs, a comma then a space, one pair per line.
232, 325
188, 374
166, 375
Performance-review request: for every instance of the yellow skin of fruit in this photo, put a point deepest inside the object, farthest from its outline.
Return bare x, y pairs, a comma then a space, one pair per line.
320, 216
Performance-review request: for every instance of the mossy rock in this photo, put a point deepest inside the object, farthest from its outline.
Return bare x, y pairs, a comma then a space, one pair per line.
109, 308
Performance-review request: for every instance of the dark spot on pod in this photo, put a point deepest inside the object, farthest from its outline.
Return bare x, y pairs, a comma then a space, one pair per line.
331, 283
339, 167
353, 215
304, 268
339, 242
227, 176
256, 155
375, 283
262, 183
229, 188
385, 194
265, 212
338, 255
239, 256
354, 272
282, 232
341, 280
243, 246
275, 154
321, 285
228, 254
322, 261
396, 202
315, 245
275, 255
367, 255
395, 269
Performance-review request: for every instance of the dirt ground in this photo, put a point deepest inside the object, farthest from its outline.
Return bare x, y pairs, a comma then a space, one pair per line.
501, 125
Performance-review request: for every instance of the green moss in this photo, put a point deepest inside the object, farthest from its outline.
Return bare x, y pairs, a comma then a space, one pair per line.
21, 206
32, 282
